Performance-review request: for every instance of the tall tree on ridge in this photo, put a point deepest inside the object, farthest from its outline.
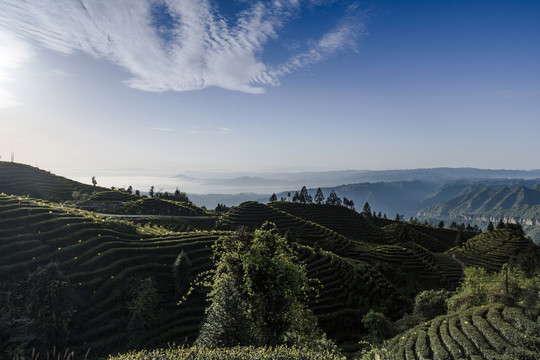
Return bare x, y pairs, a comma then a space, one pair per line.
319, 197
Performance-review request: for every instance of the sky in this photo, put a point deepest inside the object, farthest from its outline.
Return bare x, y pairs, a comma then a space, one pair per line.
171, 87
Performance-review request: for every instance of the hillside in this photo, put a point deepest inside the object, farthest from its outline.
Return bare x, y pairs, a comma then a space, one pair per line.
25, 180
516, 205
20, 179
103, 259
361, 262
483, 332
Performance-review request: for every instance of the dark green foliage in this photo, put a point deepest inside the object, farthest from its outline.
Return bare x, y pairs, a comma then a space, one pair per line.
262, 268
50, 305
377, 325
137, 330
430, 303
244, 353
305, 197
367, 209
182, 273
273, 197
460, 239
510, 285
348, 203
441, 224
227, 323
319, 197
144, 300
333, 199
500, 225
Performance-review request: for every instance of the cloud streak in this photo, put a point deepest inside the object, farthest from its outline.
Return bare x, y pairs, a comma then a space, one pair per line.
170, 45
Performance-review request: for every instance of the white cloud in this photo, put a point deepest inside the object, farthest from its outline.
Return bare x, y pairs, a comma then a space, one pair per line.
162, 129
190, 47
14, 53
208, 129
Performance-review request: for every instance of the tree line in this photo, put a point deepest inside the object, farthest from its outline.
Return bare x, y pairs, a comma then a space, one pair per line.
304, 197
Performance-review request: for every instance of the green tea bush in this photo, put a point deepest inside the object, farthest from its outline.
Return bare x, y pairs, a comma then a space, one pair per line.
235, 353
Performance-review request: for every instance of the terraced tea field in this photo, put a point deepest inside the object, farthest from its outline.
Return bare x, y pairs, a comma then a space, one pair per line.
101, 257
480, 333
492, 249
20, 179
361, 263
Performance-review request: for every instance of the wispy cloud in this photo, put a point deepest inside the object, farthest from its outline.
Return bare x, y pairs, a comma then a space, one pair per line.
14, 53
175, 45
208, 129
161, 129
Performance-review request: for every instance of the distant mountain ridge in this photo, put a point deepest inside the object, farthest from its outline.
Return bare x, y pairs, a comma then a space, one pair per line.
484, 200
516, 205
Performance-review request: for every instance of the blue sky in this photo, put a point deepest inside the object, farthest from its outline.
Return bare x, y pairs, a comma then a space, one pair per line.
195, 85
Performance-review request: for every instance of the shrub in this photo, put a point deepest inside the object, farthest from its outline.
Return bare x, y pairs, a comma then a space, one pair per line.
377, 325
431, 303
508, 286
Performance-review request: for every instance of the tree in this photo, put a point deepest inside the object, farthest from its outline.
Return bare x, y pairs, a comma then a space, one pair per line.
348, 203
453, 225
377, 325
333, 199
94, 181
50, 305
258, 276
304, 197
130, 189
227, 323
182, 273
180, 196
144, 299
367, 209
501, 225
137, 192
273, 197
441, 224
319, 197
296, 197
151, 192
490, 227
431, 303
